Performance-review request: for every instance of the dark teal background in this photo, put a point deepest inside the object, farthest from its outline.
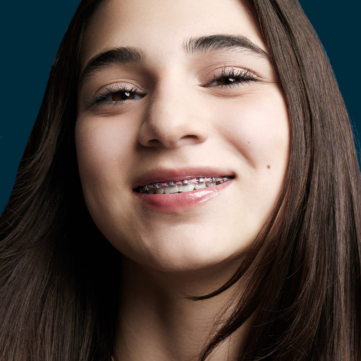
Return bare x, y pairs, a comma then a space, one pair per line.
31, 32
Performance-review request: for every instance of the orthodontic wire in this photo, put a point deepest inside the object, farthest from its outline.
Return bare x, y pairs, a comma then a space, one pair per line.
184, 182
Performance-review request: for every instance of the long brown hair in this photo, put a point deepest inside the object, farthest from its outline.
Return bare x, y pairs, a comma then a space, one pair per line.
59, 277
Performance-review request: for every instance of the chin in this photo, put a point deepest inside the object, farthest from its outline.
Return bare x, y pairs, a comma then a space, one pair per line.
189, 254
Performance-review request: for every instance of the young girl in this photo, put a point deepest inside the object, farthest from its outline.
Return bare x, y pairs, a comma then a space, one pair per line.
190, 191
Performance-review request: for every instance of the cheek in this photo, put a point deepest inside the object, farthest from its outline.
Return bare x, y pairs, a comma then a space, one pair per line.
256, 130
102, 155
257, 127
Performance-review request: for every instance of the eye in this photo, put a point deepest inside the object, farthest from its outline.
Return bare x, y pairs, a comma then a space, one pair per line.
122, 96
117, 95
232, 77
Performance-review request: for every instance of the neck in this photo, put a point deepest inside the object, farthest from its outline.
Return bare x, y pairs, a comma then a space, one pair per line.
159, 322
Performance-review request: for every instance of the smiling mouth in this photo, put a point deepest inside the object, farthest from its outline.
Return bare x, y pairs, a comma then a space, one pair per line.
182, 186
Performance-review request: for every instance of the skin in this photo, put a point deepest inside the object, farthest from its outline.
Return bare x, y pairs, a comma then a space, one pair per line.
180, 117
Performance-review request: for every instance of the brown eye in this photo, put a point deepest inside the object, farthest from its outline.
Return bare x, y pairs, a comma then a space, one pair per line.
226, 81
232, 77
117, 96
124, 95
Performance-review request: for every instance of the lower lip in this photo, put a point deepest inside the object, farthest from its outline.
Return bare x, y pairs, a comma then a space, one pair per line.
168, 203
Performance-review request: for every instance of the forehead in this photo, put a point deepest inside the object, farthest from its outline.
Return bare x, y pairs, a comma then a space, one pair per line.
163, 26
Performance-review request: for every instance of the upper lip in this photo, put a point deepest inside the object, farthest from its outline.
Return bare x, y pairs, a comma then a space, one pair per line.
158, 175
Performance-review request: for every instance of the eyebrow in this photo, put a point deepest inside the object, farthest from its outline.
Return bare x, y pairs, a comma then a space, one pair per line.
219, 42
203, 44
123, 55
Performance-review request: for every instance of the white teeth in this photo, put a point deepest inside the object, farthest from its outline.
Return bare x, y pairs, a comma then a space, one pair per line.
209, 184
199, 186
170, 190
159, 191
186, 188
151, 191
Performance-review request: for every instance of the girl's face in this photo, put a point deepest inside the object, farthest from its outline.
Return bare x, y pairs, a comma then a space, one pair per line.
175, 91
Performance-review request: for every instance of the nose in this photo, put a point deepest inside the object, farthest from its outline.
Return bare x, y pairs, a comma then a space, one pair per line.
174, 118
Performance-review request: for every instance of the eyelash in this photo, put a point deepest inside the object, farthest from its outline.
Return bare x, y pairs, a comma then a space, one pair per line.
101, 98
239, 77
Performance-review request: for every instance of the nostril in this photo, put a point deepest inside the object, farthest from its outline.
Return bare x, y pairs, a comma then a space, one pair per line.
189, 137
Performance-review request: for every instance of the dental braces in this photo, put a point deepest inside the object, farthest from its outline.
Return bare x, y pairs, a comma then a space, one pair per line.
217, 180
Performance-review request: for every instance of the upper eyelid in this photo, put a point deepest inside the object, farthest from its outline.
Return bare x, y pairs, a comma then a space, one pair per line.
237, 69
132, 82
118, 86
214, 74
113, 88
236, 72
225, 71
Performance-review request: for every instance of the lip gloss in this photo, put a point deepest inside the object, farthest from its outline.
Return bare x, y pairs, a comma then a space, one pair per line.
168, 203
